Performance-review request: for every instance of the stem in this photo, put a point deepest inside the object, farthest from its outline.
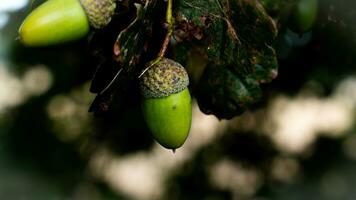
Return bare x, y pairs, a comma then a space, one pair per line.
170, 29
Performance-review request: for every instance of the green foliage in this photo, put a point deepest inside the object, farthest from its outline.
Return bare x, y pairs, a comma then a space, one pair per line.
236, 38
304, 15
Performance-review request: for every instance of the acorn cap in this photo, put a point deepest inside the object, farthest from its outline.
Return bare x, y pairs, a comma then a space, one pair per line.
164, 78
99, 12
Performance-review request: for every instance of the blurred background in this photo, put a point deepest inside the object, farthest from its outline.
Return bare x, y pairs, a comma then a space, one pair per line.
299, 142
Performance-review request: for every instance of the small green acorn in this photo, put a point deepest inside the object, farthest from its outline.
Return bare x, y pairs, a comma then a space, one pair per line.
59, 21
166, 102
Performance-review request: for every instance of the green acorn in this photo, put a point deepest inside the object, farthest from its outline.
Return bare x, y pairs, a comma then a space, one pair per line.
58, 21
166, 102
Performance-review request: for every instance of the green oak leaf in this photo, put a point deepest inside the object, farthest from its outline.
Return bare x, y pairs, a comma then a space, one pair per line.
225, 94
236, 37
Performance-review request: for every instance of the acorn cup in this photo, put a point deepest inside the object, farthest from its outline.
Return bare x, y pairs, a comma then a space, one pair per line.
59, 21
166, 102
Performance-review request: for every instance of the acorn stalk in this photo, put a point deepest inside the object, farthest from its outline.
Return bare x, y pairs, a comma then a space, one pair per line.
59, 21
166, 102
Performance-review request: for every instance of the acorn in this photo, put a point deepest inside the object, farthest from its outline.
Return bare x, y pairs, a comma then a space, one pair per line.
166, 102
59, 21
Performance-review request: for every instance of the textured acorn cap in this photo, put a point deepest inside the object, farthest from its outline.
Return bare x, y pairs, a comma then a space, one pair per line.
163, 79
99, 12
